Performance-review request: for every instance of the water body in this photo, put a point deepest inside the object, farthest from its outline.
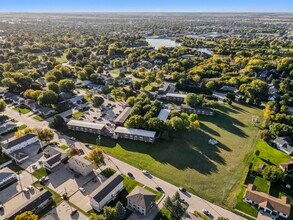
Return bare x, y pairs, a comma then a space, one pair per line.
158, 42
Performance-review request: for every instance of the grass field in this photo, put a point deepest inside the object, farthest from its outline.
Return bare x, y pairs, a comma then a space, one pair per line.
76, 115
21, 127
212, 172
64, 147
40, 173
22, 110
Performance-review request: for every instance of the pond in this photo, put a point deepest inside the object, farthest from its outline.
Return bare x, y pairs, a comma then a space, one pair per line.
157, 42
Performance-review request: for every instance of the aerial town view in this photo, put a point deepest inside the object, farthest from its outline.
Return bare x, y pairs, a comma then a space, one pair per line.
155, 110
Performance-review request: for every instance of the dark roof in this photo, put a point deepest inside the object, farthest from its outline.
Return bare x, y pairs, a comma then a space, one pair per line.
286, 140
141, 197
107, 187
19, 140
6, 175
123, 116
30, 204
287, 167
18, 155
54, 159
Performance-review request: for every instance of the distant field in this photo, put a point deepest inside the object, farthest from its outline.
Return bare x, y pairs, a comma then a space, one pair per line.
212, 172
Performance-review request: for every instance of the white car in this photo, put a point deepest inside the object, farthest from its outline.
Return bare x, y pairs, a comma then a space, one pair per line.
30, 187
81, 189
73, 138
26, 190
145, 172
34, 166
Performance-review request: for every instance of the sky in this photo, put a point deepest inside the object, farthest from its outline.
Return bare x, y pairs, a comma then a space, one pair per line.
146, 5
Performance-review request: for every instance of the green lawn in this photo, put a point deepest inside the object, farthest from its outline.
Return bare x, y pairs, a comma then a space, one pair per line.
21, 127
76, 115
22, 110
64, 147
212, 172
262, 184
39, 118
268, 155
40, 173
108, 172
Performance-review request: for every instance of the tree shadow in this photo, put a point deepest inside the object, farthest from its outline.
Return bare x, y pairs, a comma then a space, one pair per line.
209, 130
267, 161
226, 122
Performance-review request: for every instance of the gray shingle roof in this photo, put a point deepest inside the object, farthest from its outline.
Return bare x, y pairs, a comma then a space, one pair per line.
141, 197
19, 140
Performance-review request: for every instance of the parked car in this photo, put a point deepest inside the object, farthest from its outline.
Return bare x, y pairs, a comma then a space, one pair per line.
182, 201
81, 151
34, 166
145, 172
159, 189
1, 207
30, 187
26, 190
182, 189
206, 212
73, 212
73, 138
130, 174
81, 189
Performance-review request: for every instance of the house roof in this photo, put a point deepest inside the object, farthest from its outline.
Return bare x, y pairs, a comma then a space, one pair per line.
177, 95
19, 140
123, 116
53, 159
106, 187
139, 132
5, 127
141, 197
30, 204
287, 167
163, 115
285, 140
281, 205
80, 160
85, 124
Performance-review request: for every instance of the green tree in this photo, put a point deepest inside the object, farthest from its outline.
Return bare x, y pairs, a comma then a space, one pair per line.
66, 85
53, 87
120, 210
46, 135
273, 174
96, 156
193, 100
47, 98
155, 124
110, 213
2, 105
97, 101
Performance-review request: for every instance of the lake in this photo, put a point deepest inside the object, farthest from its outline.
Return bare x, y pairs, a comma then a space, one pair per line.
157, 42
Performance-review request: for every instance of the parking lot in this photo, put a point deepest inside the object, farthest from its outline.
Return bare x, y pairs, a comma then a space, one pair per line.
82, 199
64, 180
63, 212
24, 180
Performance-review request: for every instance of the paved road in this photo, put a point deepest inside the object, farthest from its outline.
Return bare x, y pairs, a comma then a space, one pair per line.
195, 202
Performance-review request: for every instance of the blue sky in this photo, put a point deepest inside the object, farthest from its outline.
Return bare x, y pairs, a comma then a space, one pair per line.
146, 5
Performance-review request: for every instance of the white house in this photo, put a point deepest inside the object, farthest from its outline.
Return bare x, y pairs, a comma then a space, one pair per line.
106, 192
20, 143
80, 165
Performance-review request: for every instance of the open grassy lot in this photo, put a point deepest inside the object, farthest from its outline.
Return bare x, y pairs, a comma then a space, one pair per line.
76, 115
39, 118
22, 110
212, 172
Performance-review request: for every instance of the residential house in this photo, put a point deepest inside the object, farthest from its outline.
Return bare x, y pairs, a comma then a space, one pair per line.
284, 144
88, 127
106, 192
140, 200
164, 114
197, 110
174, 97
119, 121
36, 203
31, 104
287, 167
7, 177
268, 204
229, 89
134, 134
45, 111
80, 165
166, 88
14, 148
7, 127
54, 156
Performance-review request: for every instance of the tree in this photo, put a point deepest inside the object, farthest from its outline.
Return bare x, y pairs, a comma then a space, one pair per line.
48, 97
177, 123
168, 203
193, 117
58, 122
46, 135
135, 121
120, 210
73, 151
176, 196
28, 215
96, 156
155, 124
66, 85
110, 213
26, 131
273, 174
193, 100
2, 105
97, 101
53, 87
